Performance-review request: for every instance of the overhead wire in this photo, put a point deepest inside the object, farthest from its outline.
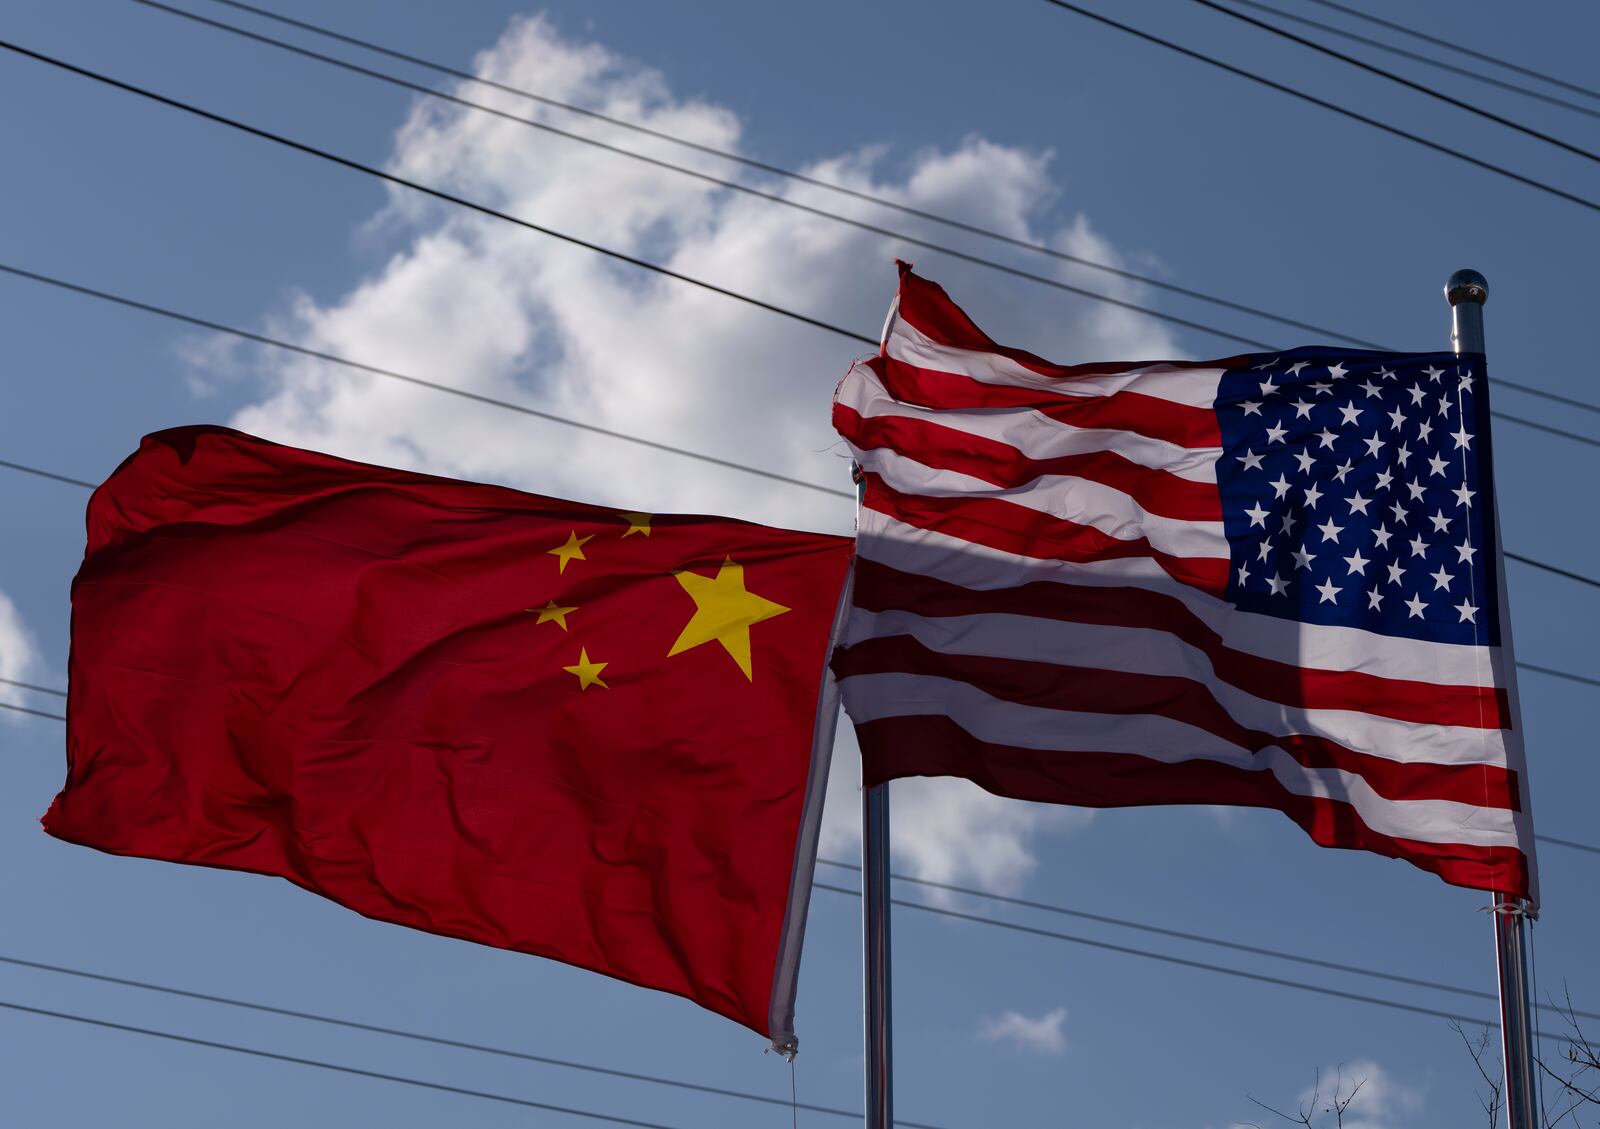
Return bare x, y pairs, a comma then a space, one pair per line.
524, 409
1197, 938
1167, 958
34, 712
321, 1064
44, 473
375, 370
760, 166
1401, 80
1437, 41
472, 205
422, 1037
35, 687
1200, 295
1576, 846
1333, 107
1570, 575
1417, 57
633, 260
721, 182
1566, 674
815, 322
1586, 440
436, 193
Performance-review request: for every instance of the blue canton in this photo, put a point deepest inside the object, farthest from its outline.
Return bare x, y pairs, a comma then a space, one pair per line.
1356, 491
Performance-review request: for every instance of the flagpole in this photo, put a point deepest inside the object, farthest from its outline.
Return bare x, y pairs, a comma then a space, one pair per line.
1466, 292
875, 950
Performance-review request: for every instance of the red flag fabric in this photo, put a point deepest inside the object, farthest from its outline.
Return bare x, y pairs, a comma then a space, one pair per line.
535, 724
1210, 582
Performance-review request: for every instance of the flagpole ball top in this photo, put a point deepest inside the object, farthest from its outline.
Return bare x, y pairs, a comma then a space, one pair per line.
1467, 286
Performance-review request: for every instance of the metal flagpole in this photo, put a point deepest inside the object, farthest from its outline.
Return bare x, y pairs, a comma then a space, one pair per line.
875, 944
1467, 291
875, 953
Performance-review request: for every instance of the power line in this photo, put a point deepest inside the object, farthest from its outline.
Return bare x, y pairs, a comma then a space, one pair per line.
437, 1040
1067, 5
1568, 843
975, 918
35, 713
1532, 391
1580, 578
34, 688
597, 248
1567, 674
1418, 57
334, 358
1198, 938
436, 193
1469, 52
761, 166
1199, 295
736, 186
1586, 440
1184, 962
1400, 80
35, 470
319, 1064
278, 343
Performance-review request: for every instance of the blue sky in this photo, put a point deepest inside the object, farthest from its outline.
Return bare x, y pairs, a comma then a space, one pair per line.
1016, 116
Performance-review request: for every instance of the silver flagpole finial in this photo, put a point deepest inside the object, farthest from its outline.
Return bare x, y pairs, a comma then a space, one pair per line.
1466, 292
1467, 286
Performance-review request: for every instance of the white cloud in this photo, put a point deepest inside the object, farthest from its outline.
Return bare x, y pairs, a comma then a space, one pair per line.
1379, 1101
1037, 1036
941, 830
19, 654
503, 312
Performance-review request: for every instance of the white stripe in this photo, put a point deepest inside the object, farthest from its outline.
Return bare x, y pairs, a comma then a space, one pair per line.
870, 697
1137, 650
981, 568
1032, 433
1195, 387
1079, 500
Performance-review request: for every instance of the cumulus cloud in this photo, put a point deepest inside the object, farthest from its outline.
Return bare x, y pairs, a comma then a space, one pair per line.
502, 312
1037, 1036
19, 654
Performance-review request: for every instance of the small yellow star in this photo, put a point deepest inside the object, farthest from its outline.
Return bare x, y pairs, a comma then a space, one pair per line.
637, 523
573, 548
588, 672
724, 611
553, 611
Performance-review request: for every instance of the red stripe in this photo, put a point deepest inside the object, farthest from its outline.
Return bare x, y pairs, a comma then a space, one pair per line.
879, 587
1011, 528
926, 305
937, 746
1180, 424
948, 448
1075, 689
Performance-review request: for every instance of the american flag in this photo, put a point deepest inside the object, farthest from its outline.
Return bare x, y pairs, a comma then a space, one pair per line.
1270, 580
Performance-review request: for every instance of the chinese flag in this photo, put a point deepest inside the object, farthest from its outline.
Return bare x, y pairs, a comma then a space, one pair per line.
535, 724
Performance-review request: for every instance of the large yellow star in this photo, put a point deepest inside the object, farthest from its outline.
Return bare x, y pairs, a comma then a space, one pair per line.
553, 611
637, 523
588, 672
573, 548
724, 611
